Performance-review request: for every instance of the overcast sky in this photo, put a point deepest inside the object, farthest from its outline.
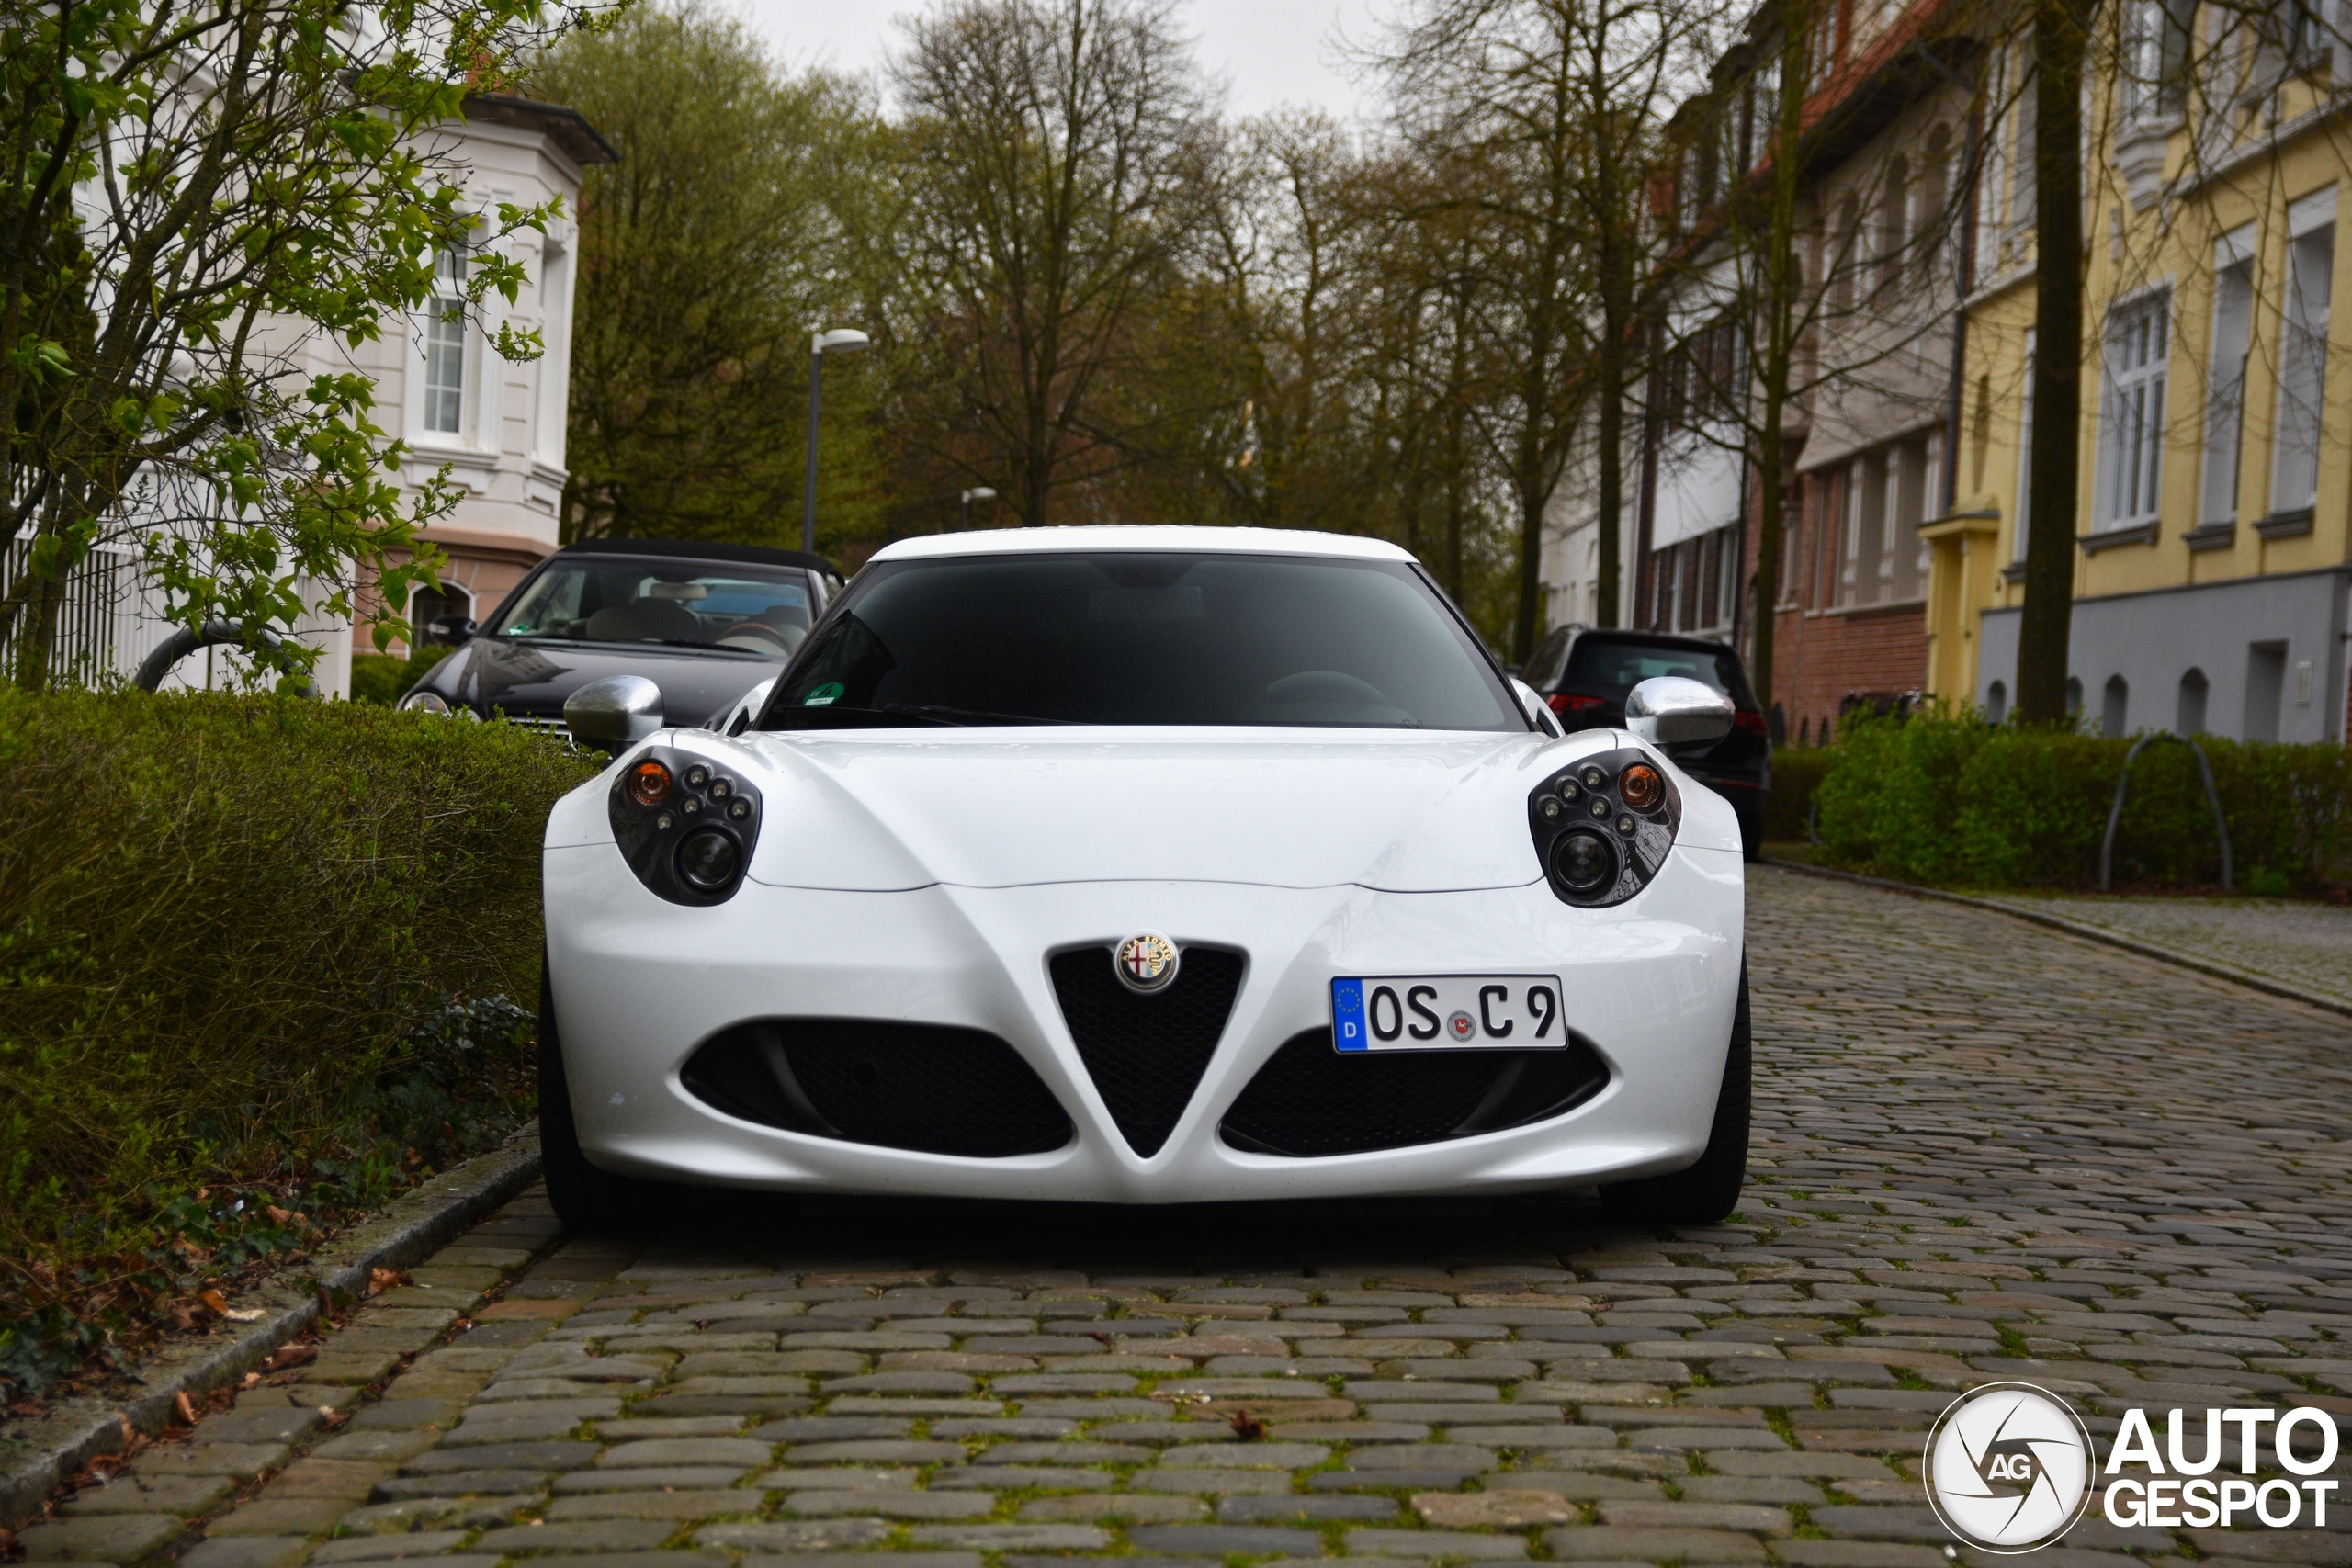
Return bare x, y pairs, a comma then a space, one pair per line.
1268, 52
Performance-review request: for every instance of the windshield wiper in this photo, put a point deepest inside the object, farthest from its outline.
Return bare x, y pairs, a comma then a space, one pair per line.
937, 714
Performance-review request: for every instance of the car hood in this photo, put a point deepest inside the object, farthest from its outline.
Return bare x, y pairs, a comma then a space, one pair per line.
531, 679
1287, 808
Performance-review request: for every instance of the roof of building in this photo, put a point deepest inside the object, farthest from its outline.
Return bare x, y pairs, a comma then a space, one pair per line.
567, 127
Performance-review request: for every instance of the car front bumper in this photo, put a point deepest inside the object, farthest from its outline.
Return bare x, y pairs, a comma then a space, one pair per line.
639, 984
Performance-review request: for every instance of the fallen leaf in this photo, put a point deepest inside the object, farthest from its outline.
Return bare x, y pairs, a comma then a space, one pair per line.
333, 1417
1246, 1427
277, 1216
183, 1408
252, 1379
214, 1300
1098, 1335
382, 1279
291, 1356
245, 1314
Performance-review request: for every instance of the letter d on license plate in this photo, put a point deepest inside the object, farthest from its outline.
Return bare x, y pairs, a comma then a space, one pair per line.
1447, 1012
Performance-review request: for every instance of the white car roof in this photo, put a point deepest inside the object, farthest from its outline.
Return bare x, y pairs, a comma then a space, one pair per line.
1136, 536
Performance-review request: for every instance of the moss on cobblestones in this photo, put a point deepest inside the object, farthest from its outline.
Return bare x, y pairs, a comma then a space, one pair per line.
2144, 1166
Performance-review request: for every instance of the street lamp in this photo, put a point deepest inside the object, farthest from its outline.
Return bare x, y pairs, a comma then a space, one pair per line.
983, 494
844, 340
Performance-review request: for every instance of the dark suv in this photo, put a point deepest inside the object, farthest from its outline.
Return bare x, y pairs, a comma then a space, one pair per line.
1584, 672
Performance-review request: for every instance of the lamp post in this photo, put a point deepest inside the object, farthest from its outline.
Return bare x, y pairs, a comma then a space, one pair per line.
844, 340
982, 493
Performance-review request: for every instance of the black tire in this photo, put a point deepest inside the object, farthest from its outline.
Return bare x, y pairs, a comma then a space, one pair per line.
1751, 836
1708, 1191
588, 1200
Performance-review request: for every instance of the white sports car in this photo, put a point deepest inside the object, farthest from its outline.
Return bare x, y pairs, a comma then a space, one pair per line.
1144, 865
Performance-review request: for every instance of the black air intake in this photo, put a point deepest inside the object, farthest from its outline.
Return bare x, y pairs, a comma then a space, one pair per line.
1147, 1053
904, 1085
1310, 1100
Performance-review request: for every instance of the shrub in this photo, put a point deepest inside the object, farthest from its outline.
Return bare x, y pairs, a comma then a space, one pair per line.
1797, 772
1943, 796
231, 928
384, 678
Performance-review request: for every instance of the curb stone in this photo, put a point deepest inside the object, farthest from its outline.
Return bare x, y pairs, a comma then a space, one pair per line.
2172, 955
35, 1459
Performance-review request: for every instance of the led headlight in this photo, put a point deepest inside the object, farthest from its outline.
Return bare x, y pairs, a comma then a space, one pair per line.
1602, 827
685, 826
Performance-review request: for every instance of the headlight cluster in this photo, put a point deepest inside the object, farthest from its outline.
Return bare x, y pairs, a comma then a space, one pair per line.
686, 825
1603, 826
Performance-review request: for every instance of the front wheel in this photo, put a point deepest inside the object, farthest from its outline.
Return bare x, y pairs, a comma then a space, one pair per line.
1708, 1191
588, 1200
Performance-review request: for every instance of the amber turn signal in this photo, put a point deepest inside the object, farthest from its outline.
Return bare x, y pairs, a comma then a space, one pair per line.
1640, 787
648, 783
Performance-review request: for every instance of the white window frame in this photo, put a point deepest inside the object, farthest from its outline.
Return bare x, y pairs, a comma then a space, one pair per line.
444, 333
2299, 418
2225, 375
2131, 422
2023, 531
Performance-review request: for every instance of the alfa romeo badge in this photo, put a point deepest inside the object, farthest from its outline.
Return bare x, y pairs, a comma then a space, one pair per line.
1146, 961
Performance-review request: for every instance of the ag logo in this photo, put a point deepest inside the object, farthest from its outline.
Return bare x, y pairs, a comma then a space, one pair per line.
1146, 961
2008, 1468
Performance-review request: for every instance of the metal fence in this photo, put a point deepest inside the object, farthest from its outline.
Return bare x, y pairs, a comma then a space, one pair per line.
90, 623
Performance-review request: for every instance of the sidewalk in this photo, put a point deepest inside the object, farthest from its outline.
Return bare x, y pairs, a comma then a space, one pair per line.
2305, 945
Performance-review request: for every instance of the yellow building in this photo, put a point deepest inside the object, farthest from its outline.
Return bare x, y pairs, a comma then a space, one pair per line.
2214, 558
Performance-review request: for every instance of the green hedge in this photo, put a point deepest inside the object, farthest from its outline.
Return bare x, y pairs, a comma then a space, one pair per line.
384, 678
229, 930
1797, 772
1945, 797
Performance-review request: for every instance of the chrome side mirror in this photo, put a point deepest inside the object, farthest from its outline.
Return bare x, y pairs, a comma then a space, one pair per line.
618, 711
1674, 710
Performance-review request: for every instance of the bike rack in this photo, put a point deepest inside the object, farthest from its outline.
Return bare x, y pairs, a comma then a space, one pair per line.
2123, 782
187, 640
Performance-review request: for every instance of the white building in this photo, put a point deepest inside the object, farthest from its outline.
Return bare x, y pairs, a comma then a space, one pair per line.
497, 427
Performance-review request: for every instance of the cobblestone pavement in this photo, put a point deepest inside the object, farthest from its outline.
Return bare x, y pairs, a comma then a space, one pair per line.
1985, 1151
2304, 944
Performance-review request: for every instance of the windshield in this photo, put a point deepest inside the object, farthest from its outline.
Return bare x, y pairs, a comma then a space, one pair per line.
748, 609
1131, 637
1605, 666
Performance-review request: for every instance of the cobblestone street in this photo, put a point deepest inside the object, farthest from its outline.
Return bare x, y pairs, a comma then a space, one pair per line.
1984, 1151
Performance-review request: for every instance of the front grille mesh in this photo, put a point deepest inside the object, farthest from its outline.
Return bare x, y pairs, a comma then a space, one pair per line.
1310, 1100
903, 1086
1147, 1053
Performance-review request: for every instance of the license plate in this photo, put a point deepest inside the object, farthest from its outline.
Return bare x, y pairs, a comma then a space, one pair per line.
1447, 1012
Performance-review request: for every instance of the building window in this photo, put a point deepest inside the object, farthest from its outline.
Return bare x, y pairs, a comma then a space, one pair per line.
2133, 430
427, 605
444, 346
2225, 402
2188, 716
2114, 707
2024, 531
2155, 60
2302, 371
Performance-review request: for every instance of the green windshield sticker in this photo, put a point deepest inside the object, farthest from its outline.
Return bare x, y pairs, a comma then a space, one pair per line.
825, 696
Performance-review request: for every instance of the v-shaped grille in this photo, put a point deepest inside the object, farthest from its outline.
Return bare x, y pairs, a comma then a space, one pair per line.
1147, 1053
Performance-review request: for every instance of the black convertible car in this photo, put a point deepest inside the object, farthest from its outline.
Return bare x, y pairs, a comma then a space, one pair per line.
704, 622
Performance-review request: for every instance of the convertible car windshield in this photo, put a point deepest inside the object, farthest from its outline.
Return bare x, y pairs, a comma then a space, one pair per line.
1136, 638
745, 608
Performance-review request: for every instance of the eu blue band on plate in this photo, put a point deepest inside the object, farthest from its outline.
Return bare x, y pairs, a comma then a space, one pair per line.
1346, 1016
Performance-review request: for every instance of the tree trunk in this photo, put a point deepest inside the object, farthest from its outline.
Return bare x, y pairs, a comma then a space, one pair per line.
1611, 433
2059, 38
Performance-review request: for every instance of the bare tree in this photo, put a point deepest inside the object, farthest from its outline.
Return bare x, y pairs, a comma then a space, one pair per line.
1057, 154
